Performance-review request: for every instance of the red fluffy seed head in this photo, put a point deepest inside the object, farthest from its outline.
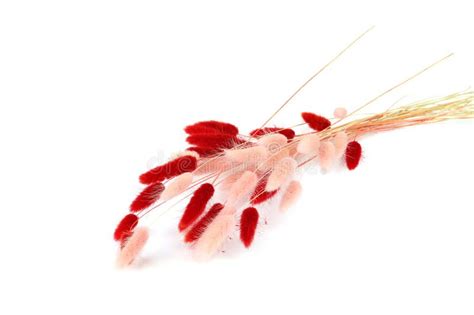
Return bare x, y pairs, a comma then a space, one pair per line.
248, 226
196, 205
260, 195
353, 154
316, 122
169, 170
214, 141
147, 197
125, 227
196, 231
212, 126
288, 133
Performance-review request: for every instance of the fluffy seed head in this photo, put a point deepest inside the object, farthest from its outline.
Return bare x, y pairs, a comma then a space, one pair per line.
353, 155
169, 170
228, 210
229, 180
327, 155
248, 225
282, 171
252, 155
196, 231
275, 145
273, 142
191, 153
340, 112
214, 236
196, 205
260, 195
133, 247
147, 197
290, 196
243, 186
215, 164
214, 141
316, 122
273, 159
340, 143
125, 227
204, 152
177, 186
212, 126
309, 144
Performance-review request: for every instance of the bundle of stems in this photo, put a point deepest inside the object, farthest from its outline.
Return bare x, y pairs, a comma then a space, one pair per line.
226, 175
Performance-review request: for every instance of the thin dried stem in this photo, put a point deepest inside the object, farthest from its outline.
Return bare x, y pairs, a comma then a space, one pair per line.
395, 87
315, 75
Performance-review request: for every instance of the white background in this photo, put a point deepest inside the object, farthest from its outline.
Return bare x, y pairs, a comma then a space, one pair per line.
92, 93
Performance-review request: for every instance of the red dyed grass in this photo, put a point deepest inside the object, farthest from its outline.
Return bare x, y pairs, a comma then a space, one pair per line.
316, 122
147, 197
125, 227
248, 225
196, 205
169, 170
212, 126
196, 231
214, 141
260, 195
353, 154
288, 133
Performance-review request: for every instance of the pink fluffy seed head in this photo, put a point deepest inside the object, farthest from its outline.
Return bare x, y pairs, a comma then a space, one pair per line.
290, 196
214, 236
340, 112
217, 164
243, 186
227, 182
177, 186
229, 210
273, 142
133, 247
273, 160
309, 144
252, 155
281, 173
327, 155
340, 142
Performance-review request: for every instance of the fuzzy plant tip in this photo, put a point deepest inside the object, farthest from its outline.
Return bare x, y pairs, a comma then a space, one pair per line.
212, 127
353, 155
260, 195
248, 226
290, 196
183, 164
214, 237
316, 122
196, 206
196, 231
147, 197
125, 228
133, 247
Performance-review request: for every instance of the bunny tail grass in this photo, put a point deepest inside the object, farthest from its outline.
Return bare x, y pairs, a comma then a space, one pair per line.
290, 196
214, 236
133, 247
